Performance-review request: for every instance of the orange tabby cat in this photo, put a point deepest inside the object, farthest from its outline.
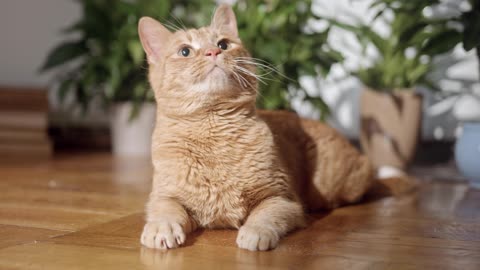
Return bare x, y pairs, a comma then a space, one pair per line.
220, 163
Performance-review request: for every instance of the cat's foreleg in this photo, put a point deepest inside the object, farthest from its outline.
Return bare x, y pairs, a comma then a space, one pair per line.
168, 224
268, 221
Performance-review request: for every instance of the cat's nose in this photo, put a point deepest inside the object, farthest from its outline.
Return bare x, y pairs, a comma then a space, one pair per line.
213, 52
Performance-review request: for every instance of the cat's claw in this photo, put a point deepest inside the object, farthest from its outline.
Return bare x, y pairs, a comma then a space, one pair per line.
255, 238
162, 235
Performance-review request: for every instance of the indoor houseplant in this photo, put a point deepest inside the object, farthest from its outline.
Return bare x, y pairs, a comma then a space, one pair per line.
277, 33
103, 59
278, 36
391, 109
106, 60
467, 109
465, 102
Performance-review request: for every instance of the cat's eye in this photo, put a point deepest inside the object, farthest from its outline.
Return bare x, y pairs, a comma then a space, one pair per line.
185, 51
223, 44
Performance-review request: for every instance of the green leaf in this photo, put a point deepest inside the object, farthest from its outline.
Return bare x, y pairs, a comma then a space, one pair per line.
471, 22
363, 33
136, 52
155, 8
63, 89
78, 26
410, 32
376, 39
139, 91
442, 43
418, 72
64, 53
81, 96
111, 87
319, 104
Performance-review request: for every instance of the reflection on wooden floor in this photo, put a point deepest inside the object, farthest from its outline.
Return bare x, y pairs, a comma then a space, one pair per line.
86, 212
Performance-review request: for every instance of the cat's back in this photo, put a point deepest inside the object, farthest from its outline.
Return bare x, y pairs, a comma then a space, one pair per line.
289, 124
304, 134
322, 161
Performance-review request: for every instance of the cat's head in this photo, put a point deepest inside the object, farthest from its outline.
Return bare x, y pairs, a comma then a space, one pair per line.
190, 69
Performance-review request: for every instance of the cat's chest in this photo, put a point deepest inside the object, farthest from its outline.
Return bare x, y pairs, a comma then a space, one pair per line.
215, 206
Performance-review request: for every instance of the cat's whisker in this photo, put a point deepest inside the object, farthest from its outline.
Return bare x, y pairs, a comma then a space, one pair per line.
172, 26
237, 78
263, 77
181, 24
244, 81
258, 61
265, 71
250, 73
267, 67
262, 64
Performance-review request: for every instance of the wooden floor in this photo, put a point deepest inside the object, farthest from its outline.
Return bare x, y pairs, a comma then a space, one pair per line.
85, 212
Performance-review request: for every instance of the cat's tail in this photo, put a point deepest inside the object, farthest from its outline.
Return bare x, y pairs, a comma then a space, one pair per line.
390, 181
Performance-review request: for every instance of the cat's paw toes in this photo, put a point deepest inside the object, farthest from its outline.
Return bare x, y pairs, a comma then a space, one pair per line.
162, 235
256, 238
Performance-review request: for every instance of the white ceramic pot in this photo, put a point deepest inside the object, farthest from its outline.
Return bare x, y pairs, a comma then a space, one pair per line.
132, 137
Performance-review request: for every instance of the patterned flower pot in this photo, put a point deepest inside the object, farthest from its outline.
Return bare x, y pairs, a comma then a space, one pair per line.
390, 125
467, 153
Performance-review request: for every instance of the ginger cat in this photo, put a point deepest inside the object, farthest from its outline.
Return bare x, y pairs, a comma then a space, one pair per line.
220, 163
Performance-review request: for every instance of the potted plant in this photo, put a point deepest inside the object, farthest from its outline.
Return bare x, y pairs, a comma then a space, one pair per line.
465, 104
391, 109
104, 60
277, 33
283, 45
467, 108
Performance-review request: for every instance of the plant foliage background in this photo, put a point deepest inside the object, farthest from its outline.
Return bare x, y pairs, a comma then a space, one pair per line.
406, 54
106, 59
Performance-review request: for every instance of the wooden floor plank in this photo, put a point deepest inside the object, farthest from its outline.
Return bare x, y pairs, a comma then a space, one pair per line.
86, 212
47, 218
439, 202
15, 235
39, 256
121, 204
124, 234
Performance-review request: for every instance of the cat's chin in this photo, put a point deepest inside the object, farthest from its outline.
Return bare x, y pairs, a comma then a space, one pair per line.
216, 71
216, 80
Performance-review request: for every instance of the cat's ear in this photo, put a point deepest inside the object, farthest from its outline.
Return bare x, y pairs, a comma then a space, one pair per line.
153, 36
224, 20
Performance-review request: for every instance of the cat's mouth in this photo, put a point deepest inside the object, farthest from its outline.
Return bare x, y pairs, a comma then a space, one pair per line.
216, 70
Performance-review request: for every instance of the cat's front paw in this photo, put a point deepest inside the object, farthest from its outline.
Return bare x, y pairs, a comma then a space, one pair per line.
257, 238
162, 235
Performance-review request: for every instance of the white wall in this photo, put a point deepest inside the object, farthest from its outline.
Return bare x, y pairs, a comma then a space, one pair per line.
28, 30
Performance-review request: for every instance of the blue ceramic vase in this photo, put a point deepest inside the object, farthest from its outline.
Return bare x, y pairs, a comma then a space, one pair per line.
467, 153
